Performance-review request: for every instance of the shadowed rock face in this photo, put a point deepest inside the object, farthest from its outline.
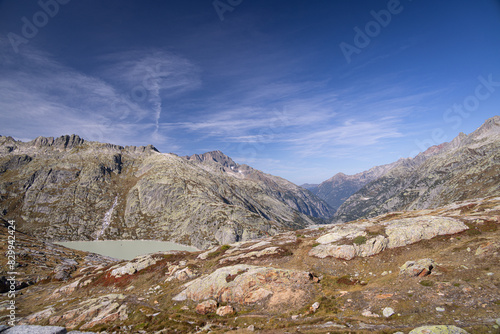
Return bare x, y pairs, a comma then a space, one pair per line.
464, 168
71, 189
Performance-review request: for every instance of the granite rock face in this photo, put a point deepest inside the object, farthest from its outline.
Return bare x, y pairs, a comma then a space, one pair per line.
71, 189
418, 268
27, 329
131, 267
208, 306
247, 284
402, 232
442, 329
363, 239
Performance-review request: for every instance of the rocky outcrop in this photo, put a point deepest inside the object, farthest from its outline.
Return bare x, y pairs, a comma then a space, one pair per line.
39, 316
441, 329
339, 232
15, 162
61, 143
225, 311
419, 268
269, 251
97, 311
64, 270
369, 238
402, 232
27, 329
133, 266
216, 159
89, 313
249, 285
180, 271
344, 252
66, 290
487, 249
208, 306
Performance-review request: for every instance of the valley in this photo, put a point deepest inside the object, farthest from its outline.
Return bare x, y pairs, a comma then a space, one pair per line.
392, 249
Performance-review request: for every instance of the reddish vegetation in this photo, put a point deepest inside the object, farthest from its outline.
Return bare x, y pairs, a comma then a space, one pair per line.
108, 280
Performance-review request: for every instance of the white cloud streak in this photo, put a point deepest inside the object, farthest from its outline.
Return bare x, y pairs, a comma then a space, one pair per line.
41, 96
128, 94
326, 124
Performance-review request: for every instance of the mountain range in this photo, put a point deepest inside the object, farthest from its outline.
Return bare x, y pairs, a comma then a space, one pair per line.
417, 250
465, 168
71, 189
429, 271
68, 188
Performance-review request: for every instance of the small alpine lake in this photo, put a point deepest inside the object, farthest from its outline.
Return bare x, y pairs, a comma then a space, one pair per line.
125, 249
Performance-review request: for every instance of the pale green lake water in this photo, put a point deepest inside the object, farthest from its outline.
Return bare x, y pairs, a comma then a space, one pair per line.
125, 249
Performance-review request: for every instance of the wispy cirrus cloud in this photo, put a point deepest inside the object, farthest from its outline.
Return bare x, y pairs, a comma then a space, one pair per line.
41, 96
319, 122
150, 77
342, 140
129, 95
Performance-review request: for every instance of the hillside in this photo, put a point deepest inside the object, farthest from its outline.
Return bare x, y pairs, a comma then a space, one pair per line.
464, 168
71, 189
392, 273
340, 187
337, 189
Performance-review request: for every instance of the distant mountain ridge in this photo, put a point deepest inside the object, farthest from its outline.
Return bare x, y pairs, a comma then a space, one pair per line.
216, 161
67, 188
467, 167
71, 189
337, 189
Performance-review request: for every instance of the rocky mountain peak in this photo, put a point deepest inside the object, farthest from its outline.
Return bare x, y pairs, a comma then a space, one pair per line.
490, 129
141, 149
458, 140
63, 142
339, 175
214, 156
434, 149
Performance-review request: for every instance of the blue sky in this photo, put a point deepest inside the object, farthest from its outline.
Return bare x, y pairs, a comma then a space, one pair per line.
300, 89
